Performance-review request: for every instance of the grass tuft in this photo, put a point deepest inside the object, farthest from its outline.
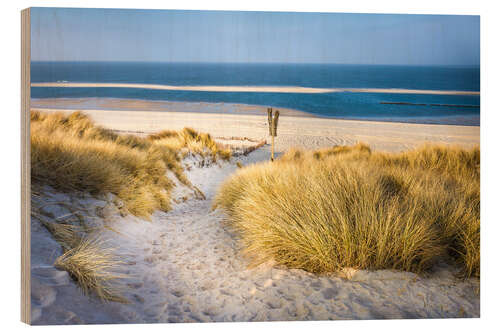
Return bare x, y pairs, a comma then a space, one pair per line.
327, 210
69, 152
93, 265
192, 141
67, 235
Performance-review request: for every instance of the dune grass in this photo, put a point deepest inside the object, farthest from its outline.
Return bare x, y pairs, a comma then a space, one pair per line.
194, 142
69, 152
86, 258
94, 266
348, 207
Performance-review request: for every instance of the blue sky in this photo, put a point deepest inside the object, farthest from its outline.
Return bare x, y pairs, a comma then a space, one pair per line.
62, 34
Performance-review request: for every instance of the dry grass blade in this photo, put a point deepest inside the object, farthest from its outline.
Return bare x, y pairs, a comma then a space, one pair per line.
67, 235
94, 267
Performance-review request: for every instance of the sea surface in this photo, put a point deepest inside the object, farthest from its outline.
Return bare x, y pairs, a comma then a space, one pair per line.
447, 109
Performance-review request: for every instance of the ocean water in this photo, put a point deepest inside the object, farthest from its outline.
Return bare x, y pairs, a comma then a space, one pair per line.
453, 109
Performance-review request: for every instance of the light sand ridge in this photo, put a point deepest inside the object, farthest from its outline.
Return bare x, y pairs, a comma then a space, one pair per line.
262, 89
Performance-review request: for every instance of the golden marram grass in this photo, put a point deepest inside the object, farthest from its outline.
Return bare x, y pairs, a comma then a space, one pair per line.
325, 210
69, 152
94, 266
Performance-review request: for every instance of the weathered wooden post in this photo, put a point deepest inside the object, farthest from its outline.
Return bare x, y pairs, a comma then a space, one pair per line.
273, 127
270, 120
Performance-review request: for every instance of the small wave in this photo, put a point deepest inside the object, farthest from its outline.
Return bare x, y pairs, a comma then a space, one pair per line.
433, 104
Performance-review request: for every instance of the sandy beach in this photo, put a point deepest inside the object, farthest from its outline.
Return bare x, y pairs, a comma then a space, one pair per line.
185, 266
296, 128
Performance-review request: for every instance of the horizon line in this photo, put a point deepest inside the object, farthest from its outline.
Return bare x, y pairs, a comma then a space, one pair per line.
249, 63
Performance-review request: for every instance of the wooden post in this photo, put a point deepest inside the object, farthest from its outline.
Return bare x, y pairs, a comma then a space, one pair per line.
272, 148
273, 127
275, 122
270, 120
274, 131
270, 125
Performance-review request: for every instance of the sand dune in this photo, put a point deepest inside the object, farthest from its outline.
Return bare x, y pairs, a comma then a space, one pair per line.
185, 266
261, 89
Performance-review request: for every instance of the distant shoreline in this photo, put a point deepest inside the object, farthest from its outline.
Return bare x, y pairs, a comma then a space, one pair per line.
129, 104
266, 89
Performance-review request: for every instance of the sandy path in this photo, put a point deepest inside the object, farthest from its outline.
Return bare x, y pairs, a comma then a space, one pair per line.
188, 268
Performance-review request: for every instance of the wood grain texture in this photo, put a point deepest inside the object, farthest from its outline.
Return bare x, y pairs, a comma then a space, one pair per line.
25, 167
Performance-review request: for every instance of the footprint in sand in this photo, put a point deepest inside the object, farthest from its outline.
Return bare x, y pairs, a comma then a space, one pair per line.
42, 295
274, 304
211, 311
135, 285
138, 298
151, 259
51, 276
178, 293
330, 293
316, 285
207, 285
227, 292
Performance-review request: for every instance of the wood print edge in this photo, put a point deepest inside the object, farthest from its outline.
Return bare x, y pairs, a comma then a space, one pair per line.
25, 167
